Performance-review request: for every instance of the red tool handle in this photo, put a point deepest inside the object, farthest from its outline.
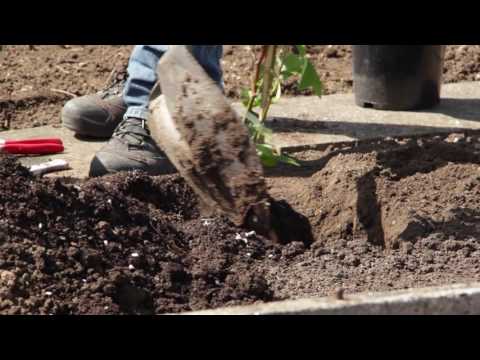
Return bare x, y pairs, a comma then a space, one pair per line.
32, 149
35, 141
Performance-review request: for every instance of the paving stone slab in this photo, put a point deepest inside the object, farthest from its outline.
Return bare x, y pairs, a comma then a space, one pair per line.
313, 121
78, 152
460, 299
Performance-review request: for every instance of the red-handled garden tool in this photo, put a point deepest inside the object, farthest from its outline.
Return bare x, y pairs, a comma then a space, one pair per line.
45, 146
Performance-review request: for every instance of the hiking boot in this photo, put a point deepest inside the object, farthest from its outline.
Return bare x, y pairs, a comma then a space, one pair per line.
131, 148
96, 115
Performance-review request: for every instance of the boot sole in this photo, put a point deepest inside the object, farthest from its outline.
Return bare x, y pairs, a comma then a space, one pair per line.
98, 169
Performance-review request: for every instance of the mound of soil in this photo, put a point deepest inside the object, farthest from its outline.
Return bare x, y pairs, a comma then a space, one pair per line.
395, 190
124, 244
393, 214
385, 215
31, 77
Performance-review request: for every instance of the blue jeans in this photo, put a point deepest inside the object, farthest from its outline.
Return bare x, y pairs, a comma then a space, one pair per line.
142, 75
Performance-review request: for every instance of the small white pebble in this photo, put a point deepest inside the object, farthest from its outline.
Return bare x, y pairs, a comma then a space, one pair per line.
48, 293
218, 283
270, 256
109, 202
105, 242
131, 267
40, 226
106, 308
207, 222
84, 280
250, 234
135, 255
238, 237
248, 254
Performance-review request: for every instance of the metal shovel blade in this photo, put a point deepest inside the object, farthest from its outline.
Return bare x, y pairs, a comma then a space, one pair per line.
205, 139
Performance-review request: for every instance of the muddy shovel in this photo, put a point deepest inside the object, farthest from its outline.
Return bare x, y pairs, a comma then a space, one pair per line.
206, 140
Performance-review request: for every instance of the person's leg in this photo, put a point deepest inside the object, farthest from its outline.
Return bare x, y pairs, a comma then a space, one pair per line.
98, 115
143, 75
131, 147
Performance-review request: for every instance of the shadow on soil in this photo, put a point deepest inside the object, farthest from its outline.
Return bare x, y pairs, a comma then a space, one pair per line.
463, 226
398, 161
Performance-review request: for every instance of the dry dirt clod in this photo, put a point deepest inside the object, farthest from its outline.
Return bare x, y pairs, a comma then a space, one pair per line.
7, 282
340, 294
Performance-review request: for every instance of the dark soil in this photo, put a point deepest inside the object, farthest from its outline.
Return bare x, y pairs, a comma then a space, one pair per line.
125, 244
386, 215
30, 77
391, 214
224, 170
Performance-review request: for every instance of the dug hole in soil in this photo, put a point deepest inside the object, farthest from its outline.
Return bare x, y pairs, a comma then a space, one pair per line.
392, 214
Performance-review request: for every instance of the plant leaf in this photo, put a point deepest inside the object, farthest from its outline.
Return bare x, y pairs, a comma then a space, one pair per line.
310, 79
302, 50
277, 92
278, 66
258, 131
287, 159
245, 96
292, 64
252, 117
267, 155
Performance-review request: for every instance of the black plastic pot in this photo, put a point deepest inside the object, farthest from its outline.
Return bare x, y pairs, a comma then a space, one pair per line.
398, 77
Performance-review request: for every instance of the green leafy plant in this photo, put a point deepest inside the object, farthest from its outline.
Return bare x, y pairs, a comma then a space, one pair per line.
272, 68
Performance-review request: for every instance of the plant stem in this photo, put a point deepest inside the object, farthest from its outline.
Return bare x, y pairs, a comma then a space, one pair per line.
257, 66
268, 80
256, 76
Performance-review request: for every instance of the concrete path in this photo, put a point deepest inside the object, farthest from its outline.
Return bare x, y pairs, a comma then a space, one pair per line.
460, 299
78, 152
309, 121
336, 118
